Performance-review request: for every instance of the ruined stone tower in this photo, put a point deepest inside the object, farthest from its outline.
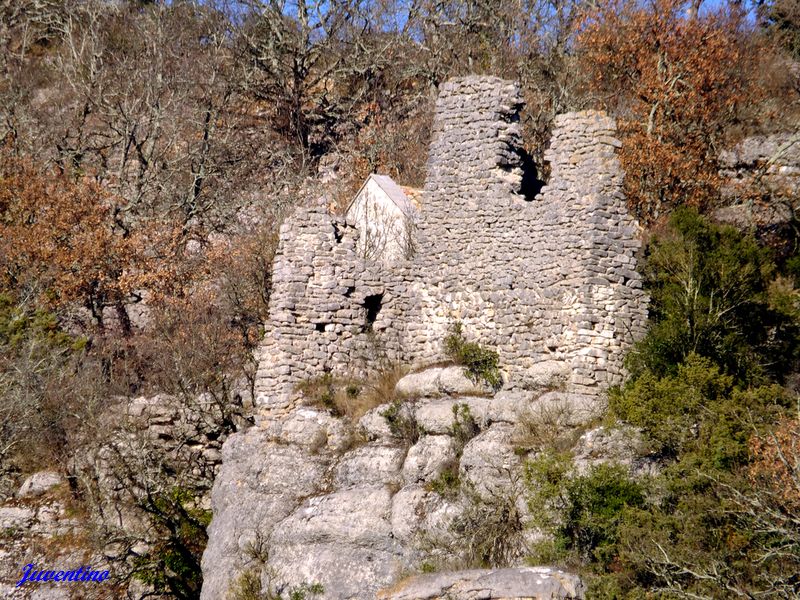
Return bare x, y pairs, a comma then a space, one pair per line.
548, 281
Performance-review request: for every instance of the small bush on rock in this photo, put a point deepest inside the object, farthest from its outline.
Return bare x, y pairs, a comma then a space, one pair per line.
248, 587
464, 427
491, 529
401, 424
447, 484
480, 364
547, 425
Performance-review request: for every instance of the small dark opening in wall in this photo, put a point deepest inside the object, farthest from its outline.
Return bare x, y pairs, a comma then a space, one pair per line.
531, 184
320, 326
337, 234
373, 304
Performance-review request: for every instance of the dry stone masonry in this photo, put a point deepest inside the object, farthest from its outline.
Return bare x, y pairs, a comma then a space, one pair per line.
549, 282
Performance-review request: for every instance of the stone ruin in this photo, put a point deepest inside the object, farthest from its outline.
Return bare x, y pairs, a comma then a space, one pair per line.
549, 282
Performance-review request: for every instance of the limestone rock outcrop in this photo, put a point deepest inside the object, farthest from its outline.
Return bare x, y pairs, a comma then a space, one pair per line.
759, 168
39, 527
298, 506
527, 583
350, 519
39, 483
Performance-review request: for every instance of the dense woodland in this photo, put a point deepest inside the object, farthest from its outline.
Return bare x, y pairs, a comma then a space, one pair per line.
150, 149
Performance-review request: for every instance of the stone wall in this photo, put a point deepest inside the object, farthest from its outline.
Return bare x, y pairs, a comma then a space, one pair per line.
549, 281
327, 307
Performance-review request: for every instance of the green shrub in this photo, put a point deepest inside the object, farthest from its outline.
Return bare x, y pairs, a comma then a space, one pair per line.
480, 364
19, 325
699, 534
698, 413
596, 502
427, 567
464, 427
584, 512
305, 591
447, 484
402, 425
248, 587
723, 329
710, 295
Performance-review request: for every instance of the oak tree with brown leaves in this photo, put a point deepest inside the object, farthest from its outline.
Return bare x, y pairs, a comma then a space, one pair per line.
676, 83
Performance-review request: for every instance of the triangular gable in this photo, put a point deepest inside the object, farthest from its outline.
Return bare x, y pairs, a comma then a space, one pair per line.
392, 191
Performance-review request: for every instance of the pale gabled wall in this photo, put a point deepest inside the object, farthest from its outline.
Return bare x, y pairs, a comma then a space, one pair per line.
384, 227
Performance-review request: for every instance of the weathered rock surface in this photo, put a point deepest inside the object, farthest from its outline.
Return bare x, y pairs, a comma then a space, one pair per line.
411, 506
489, 463
428, 458
39, 483
341, 540
37, 528
436, 415
439, 381
549, 374
527, 583
763, 167
261, 482
307, 513
620, 445
369, 465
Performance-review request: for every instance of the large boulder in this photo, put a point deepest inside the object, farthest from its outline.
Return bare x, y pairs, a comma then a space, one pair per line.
488, 462
260, 483
342, 541
436, 415
39, 483
369, 465
428, 458
622, 445
439, 381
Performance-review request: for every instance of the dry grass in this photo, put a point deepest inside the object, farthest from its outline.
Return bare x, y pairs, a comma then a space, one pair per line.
352, 398
547, 425
489, 532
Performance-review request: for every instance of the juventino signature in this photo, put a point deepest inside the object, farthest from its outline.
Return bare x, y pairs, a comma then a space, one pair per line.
81, 574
